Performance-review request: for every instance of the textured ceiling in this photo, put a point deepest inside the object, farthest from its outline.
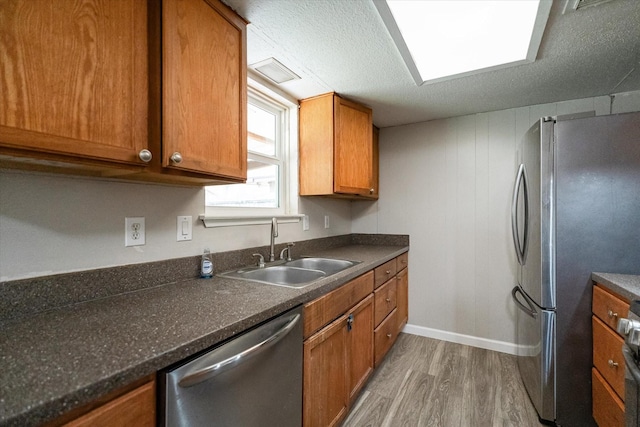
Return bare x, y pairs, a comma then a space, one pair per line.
343, 46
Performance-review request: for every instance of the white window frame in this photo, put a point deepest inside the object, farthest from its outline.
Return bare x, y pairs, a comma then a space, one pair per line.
286, 151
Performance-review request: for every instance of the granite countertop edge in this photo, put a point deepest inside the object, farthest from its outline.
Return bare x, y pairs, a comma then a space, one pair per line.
625, 285
30, 407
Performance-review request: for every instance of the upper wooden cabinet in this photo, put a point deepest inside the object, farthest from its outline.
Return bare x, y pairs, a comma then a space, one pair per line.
204, 89
73, 79
142, 90
336, 148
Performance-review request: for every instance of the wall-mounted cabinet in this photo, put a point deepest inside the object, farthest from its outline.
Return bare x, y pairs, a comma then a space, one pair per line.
336, 148
70, 87
88, 88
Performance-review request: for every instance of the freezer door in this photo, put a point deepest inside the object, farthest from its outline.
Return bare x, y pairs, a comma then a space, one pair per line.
536, 353
532, 215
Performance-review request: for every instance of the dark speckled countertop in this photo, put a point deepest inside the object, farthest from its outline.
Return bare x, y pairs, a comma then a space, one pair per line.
625, 285
62, 358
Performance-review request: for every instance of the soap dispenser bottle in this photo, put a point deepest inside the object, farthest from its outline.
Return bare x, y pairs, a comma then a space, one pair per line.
206, 266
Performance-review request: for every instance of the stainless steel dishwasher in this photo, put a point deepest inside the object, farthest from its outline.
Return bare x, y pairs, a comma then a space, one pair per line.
254, 379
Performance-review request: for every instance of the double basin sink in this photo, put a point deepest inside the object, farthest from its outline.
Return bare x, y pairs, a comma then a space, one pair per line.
297, 273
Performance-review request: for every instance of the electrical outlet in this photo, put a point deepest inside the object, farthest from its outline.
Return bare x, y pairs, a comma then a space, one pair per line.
305, 223
326, 221
134, 231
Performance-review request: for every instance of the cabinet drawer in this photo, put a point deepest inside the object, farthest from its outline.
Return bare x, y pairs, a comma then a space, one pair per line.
608, 409
607, 351
136, 408
384, 336
608, 307
328, 307
385, 272
385, 300
402, 261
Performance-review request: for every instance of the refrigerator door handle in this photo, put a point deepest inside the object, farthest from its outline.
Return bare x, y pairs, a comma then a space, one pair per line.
521, 180
529, 309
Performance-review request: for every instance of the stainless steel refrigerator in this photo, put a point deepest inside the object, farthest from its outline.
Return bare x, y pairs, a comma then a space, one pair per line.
575, 210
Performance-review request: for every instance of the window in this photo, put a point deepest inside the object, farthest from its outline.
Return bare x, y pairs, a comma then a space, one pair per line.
271, 131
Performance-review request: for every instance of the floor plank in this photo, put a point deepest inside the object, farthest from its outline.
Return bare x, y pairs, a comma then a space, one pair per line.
428, 382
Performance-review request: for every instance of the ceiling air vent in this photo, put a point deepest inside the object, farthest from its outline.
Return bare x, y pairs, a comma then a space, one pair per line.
274, 71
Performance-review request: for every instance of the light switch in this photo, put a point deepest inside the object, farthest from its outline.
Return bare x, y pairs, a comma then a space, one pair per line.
184, 228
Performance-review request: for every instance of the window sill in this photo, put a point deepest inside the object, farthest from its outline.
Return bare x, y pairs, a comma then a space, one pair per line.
212, 222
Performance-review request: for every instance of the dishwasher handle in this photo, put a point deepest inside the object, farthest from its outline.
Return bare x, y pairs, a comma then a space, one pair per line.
217, 368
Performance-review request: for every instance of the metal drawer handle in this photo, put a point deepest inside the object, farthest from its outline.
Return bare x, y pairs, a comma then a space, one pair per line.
612, 364
388, 300
612, 315
219, 367
388, 335
388, 271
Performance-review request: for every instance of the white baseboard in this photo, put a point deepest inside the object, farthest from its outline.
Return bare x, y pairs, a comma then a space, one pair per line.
487, 344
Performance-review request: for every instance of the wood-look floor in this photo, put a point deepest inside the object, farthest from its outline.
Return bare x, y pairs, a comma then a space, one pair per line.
428, 382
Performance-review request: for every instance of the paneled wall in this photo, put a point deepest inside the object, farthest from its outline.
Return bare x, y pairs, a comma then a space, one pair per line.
448, 183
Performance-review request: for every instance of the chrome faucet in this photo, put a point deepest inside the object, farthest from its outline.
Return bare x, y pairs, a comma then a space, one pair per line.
274, 234
260, 262
288, 251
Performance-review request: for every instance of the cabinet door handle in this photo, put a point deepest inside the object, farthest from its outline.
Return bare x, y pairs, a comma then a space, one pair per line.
388, 335
612, 364
612, 315
145, 155
176, 158
350, 322
388, 271
388, 300
371, 191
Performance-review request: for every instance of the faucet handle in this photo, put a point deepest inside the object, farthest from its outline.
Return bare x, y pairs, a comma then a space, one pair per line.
260, 262
288, 250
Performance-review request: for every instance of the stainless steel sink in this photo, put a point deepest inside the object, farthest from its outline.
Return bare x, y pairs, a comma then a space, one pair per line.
293, 274
329, 266
283, 275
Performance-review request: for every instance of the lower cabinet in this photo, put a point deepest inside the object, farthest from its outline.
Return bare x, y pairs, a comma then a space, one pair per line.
338, 359
135, 408
347, 332
608, 372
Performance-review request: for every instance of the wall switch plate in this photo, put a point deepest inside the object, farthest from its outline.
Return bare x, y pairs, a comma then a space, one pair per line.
305, 223
134, 231
184, 228
326, 221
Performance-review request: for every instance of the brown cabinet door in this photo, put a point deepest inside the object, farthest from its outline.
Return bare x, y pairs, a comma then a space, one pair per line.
402, 298
73, 78
353, 148
608, 409
204, 88
360, 346
607, 355
136, 408
325, 393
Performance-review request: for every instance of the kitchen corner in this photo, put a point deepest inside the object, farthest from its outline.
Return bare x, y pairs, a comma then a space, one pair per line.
74, 338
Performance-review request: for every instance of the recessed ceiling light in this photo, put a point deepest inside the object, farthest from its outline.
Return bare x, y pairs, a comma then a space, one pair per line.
274, 70
443, 39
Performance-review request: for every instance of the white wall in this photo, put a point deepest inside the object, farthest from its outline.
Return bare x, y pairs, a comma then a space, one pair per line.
55, 224
447, 183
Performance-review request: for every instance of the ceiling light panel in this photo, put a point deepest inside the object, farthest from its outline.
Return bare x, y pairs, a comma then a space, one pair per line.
440, 39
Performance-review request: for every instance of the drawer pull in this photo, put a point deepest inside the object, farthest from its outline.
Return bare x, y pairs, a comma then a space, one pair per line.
388, 271
389, 336
612, 315
388, 300
612, 364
